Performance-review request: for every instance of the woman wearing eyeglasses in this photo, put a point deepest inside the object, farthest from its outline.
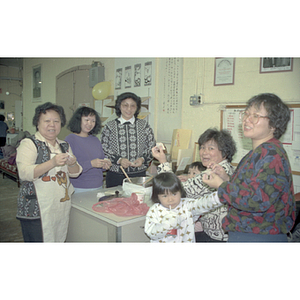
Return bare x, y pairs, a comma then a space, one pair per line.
127, 141
260, 193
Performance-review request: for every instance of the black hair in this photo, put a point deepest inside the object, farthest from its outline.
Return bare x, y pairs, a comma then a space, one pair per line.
164, 182
224, 140
198, 165
43, 108
2, 118
75, 121
278, 112
124, 96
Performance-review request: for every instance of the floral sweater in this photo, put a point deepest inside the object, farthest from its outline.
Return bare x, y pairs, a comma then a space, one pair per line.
260, 193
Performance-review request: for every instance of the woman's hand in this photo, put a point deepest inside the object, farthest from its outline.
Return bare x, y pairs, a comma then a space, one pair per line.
219, 170
213, 180
138, 162
125, 163
62, 159
101, 163
159, 154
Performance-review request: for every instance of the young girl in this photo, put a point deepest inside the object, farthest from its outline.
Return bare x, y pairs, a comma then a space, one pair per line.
170, 219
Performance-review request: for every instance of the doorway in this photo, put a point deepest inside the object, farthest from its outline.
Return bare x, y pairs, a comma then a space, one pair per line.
72, 90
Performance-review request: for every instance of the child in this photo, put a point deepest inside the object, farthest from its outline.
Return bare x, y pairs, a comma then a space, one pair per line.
195, 168
170, 219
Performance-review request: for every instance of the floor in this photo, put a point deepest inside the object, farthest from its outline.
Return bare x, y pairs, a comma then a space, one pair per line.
10, 228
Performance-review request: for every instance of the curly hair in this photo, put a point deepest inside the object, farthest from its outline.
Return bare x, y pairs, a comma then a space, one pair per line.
75, 121
278, 112
43, 108
124, 96
224, 140
166, 181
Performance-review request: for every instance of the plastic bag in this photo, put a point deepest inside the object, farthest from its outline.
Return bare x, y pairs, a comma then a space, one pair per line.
124, 207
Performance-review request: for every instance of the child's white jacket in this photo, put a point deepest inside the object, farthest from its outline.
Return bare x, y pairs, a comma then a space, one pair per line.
160, 220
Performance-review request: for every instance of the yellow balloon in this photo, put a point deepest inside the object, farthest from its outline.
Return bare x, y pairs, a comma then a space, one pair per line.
101, 90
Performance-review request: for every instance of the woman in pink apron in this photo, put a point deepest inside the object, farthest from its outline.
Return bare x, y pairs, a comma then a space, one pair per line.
44, 165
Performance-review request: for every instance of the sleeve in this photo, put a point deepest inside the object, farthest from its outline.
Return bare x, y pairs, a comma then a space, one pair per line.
25, 160
257, 182
107, 144
149, 144
157, 226
80, 167
203, 204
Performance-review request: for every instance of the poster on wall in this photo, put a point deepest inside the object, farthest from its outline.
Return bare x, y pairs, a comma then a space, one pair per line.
37, 83
137, 75
224, 71
118, 79
148, 73
128, 77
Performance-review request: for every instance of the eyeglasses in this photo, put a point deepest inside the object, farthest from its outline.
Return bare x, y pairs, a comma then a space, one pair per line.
128, 105
253, 118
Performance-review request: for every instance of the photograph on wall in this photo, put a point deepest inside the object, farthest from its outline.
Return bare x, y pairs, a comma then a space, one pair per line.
118, 82
137, 75
128, 77
36, 83
276, 64
148, 73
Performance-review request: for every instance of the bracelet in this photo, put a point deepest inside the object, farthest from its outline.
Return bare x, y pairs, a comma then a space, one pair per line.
71, 166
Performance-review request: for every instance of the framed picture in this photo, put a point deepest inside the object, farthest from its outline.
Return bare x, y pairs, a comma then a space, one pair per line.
276, 64
224, 71
37, 83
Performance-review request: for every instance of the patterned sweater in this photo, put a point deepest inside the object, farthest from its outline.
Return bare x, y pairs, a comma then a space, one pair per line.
195, 188
260, 194
130, 141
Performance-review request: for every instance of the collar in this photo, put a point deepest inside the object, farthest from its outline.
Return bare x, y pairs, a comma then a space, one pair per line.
122, 120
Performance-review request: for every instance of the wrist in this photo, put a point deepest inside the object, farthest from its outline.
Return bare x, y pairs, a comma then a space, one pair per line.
73, 165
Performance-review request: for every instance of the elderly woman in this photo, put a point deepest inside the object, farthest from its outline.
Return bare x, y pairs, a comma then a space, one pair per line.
44, 165
260, 193
127, 141
214, 146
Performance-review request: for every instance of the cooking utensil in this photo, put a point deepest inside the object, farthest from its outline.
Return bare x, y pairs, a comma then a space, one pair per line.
125, 174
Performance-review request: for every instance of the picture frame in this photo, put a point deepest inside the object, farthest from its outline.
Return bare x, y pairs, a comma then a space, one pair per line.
276, 64
37, 83
224, 71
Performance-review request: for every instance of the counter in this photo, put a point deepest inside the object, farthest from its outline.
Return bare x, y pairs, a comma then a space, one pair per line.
86, 225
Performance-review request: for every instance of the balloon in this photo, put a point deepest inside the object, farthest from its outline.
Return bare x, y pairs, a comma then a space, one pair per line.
101, 90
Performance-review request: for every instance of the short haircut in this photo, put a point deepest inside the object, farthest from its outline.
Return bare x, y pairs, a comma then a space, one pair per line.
124, 96
43, 108
198, 165
278, 112
84, 111
164, 182
224, 140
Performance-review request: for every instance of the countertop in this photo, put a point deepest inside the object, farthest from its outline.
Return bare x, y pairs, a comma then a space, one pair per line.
85, 200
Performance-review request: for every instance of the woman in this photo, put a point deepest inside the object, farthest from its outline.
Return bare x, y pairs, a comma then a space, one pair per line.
260, 193
84, 125
127, 141
214, 146
44, 165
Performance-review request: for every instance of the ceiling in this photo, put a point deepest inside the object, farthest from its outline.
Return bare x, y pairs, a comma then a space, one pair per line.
11, 62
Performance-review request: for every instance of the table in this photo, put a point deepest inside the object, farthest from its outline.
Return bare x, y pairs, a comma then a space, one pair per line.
86, 225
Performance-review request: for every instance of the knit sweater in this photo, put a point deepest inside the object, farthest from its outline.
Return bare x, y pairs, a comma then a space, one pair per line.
86, 149
129, 141
260, 193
